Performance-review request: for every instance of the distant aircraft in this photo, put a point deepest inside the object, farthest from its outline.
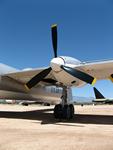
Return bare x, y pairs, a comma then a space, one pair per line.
101, 99
53, 83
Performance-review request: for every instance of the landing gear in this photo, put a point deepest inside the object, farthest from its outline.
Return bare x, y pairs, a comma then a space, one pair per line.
65, 110
58, 111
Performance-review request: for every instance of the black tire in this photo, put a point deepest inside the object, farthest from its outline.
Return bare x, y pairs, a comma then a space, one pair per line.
58, 111
72, 111
66, 112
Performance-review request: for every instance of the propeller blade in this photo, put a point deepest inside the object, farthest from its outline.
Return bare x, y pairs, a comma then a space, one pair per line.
111, 77
79, 74
54, 38
37, 78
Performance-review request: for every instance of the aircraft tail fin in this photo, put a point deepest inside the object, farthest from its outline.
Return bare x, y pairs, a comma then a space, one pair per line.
98, 95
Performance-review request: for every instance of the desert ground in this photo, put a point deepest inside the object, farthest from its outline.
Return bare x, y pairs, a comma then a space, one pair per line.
34, 128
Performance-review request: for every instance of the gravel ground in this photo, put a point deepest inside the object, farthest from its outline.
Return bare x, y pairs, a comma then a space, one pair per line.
34, 128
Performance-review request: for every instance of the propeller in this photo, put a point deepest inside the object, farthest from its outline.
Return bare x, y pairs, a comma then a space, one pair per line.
37, 78
111, 77
40, 77
74, 72
79, 74
54, 38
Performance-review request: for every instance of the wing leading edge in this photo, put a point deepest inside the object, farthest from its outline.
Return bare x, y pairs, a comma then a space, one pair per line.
99, 69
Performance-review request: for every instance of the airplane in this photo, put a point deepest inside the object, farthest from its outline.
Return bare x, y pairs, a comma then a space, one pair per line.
53, 83
99, 98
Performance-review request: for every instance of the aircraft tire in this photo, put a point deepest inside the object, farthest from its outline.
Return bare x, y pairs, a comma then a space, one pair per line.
58, 111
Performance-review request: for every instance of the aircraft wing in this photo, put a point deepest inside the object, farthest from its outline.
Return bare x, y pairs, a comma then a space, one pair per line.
24, 76
98, 69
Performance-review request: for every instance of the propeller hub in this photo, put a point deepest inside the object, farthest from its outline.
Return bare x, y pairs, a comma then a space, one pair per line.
56, 64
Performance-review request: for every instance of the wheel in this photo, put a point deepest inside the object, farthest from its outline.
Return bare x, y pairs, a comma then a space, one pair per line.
58, 111
68, 111
64, 112
72, 111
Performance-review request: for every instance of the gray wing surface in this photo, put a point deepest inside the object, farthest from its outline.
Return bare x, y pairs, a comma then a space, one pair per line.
25, 76
99, 69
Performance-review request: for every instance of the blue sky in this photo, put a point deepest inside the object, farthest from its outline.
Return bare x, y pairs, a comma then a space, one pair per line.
85, 31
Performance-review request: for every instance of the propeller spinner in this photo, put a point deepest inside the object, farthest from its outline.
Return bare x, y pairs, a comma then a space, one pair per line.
57, 64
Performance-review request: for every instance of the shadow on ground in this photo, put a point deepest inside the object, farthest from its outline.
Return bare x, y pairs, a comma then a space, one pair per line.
46, 117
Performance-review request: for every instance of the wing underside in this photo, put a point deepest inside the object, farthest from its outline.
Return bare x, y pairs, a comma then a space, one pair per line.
16, 81
25, 76
100, 70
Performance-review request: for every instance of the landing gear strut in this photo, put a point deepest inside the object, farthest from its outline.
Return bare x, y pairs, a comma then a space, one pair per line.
64, 110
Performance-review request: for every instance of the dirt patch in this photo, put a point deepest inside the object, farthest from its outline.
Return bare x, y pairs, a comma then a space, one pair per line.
34, 128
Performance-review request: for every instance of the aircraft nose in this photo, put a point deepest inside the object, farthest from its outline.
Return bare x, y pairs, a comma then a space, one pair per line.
56, 63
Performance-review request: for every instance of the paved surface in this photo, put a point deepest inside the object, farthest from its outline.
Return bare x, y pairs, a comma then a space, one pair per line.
34, 128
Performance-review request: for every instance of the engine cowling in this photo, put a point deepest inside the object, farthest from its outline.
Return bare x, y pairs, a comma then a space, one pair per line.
62, 76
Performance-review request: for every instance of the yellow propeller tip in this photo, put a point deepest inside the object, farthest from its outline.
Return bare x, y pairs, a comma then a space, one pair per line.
94, 81
54, 25
26, 87
111, 78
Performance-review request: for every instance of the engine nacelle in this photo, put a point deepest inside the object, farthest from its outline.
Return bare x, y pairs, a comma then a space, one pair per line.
61, 75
